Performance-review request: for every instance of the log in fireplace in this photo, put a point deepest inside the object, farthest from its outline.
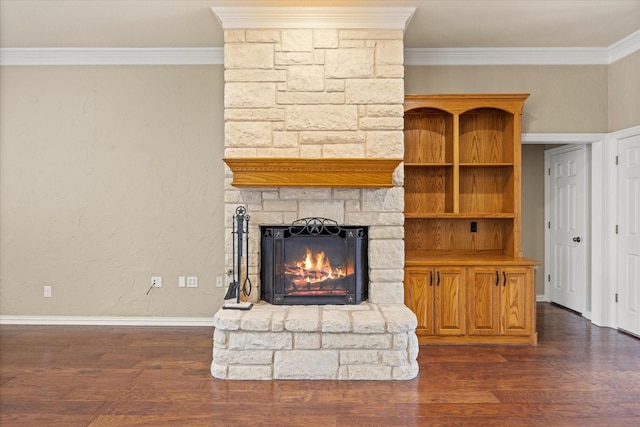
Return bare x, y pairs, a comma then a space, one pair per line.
314, 261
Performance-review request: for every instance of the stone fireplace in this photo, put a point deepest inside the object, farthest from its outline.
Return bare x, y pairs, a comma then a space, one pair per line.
314, 129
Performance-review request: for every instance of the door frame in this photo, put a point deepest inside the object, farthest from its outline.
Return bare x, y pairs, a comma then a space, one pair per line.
610, 247
548, 154
600, 170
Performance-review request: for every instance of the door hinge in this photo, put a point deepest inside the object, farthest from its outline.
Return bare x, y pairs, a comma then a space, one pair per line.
616, 160
616, 228
548, 278
549, 171
616, 297
549, 225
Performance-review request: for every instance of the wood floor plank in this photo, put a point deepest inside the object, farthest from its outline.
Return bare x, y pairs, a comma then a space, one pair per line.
578, 375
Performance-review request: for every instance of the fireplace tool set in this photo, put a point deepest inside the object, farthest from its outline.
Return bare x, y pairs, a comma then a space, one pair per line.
241, 284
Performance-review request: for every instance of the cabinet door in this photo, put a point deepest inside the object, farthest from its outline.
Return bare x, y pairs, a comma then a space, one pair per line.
418, 296
517, 316
483, 301
449, 301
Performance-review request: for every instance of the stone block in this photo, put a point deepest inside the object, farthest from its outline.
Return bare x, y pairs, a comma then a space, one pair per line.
305, 193
294, 58
353, 341
303, 319
376, 218
243, 357
247, 134
249, 95
305, 364
393, 357
260, 341
332, 209
306, 340
386, 254
305, 78
390, 71
262, 36
219, 338
254, 114
310, 98
371, 34
368, 322
390, 52
349, 63
343, 151
407, 372
322, 117
383, 199
350, 137
227, 320
242, 75
359, 357
383, 144
386, 293
369, 372
390, 275
336, 321
250, 372
325, 38
297, 40
399, 318
374, 91
249, 56
381, 123
219, 371
280, 205
255, 321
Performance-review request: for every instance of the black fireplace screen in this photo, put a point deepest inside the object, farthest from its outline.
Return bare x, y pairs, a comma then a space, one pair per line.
314, 261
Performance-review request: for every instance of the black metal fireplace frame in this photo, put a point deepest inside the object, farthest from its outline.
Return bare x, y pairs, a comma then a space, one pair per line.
272, 255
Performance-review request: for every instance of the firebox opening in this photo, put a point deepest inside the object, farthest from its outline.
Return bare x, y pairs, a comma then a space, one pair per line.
314, 261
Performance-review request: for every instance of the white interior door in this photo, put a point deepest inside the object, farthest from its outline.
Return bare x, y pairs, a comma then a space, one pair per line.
629, 234
568, 228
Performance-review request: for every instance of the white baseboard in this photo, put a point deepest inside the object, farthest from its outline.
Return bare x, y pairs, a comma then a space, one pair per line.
106, 321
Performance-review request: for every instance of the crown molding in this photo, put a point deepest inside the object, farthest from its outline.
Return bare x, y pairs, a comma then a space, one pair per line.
624, 47
524, 56
506, 56
106, 320
562, 138
413, 56
112, 56
387, 18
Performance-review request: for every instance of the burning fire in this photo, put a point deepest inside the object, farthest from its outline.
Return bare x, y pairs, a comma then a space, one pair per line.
313, 269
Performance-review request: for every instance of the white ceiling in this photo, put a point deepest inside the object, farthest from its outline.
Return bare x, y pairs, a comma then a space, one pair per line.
435, 24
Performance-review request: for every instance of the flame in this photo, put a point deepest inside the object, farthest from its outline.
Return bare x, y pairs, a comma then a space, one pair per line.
314, 268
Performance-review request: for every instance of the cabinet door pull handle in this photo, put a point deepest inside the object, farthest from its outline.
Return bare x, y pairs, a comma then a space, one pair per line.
504, 275
438, 284
497, 278
431, 278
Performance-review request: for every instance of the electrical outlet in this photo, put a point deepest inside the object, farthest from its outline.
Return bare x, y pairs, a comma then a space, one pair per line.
182, 281
192, 281
156, 281
219, 281
47, 291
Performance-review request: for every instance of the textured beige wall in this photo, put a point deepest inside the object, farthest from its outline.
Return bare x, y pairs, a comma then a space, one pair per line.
624, 93
563, 98
533, 208
110, 175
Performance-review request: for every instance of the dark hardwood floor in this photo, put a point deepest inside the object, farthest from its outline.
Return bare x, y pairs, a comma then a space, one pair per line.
578, 375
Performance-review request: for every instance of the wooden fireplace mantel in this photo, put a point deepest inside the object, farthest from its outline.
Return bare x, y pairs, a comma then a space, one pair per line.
296, 172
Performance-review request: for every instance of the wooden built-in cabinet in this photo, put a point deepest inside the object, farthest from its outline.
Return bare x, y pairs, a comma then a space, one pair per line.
462, 213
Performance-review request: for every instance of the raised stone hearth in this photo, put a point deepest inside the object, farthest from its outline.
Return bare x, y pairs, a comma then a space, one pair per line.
331, 342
